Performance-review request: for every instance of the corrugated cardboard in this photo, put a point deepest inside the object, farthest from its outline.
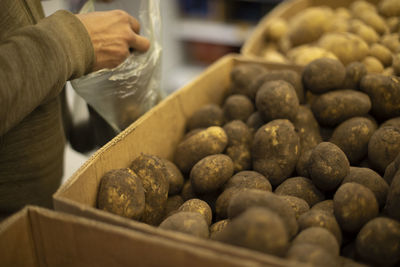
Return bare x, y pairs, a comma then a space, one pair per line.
37, 237
255, 44
157, 132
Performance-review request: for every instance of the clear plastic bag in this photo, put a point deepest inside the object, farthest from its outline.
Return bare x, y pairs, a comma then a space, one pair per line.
123, 94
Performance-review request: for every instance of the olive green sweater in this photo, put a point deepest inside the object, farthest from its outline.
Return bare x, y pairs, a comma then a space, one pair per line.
37, 57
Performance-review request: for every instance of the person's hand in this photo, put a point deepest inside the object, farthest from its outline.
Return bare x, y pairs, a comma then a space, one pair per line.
113, 34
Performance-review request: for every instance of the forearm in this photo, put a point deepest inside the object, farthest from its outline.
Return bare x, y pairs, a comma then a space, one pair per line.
37, 60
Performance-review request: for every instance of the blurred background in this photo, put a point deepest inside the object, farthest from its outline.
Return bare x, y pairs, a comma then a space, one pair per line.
195, 34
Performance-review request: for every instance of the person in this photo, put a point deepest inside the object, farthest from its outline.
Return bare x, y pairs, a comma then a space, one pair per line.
37, 56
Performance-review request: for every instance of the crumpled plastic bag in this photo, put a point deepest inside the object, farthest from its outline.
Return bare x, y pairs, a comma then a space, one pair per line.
123, 94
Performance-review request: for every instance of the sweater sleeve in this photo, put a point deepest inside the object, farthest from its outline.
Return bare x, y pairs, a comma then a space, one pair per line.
37, 60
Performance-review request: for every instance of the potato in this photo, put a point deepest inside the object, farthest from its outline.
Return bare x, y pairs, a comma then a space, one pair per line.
298, 205
302, 163
347, 47
245, 199
191, 223
286, 75
206, 116
378, 242
275, 150
249, 179
369, 179
393, 23
276, 29
274, 56
347, 262
241, 157
300, 187
323, 219
382, 53
326, 205
328, 166
367, 33
121, 192
359, 6
197, 205
320, 237
255, 121
243, 75
173, 204
383, 147
352, 137
217, 227
392, 42
343, 13
187, 191
334, 107
354, 72
153, 174
277, 100
389, 8
354, 205
237, 107
372, 19
373, 65
309, 25
396, 64
211, 141
304, 54
312, 254
258, 229
393, 198
384, 93
340, 22
174, 177
391, 170
211, 173
222, 203
323, 75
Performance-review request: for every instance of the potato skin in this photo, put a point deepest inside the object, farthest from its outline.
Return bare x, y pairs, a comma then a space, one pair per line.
384, 92
174, 177
275, 150
320, 237
378, 242
206, 116
255, 121
328, 166
191, 223
217, 227
354, 73
298, 205
211, 173
334, 107
223, 200
259, 229
197, 205
352, 137
323, 75
121, 192
326, 205
237, 107
354, 205
152, 172
212, 140
312, 254
393, 198
173, 204
391, 170
242, 77
277, 100
249, 179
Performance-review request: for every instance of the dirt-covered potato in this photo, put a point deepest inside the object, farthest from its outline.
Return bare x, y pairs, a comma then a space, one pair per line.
369, 179
191, 223
384, 93
255, 121
237, 107
277, 100
241, 157
323, 75
206, 116
307, 128
382, 53
352, 137
153, 174
328, 166
275, 150
389, 8
300, 187
174, 177
197, 205
259, 229
121, 192
210, 141
323, 219
354, 72
243, 75
250, 180
312, 255
211, 173
393, 199
245, 199
305, 54
354, 205
320, 237
222, 203
173, 204
346, 46
187, 191
217, 227
378, 242
302, 163
298, 205
383, 147
334, 107
391, 170
326, 205
347, 262
373, 65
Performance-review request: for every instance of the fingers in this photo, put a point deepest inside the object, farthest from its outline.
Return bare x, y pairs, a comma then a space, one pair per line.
138, 42
134, 24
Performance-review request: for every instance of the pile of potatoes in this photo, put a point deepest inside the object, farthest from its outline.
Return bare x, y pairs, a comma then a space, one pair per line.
362, 32
300, 166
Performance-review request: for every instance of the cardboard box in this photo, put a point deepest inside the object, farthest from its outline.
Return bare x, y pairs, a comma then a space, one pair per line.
37, 237
255, 44
157, 132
